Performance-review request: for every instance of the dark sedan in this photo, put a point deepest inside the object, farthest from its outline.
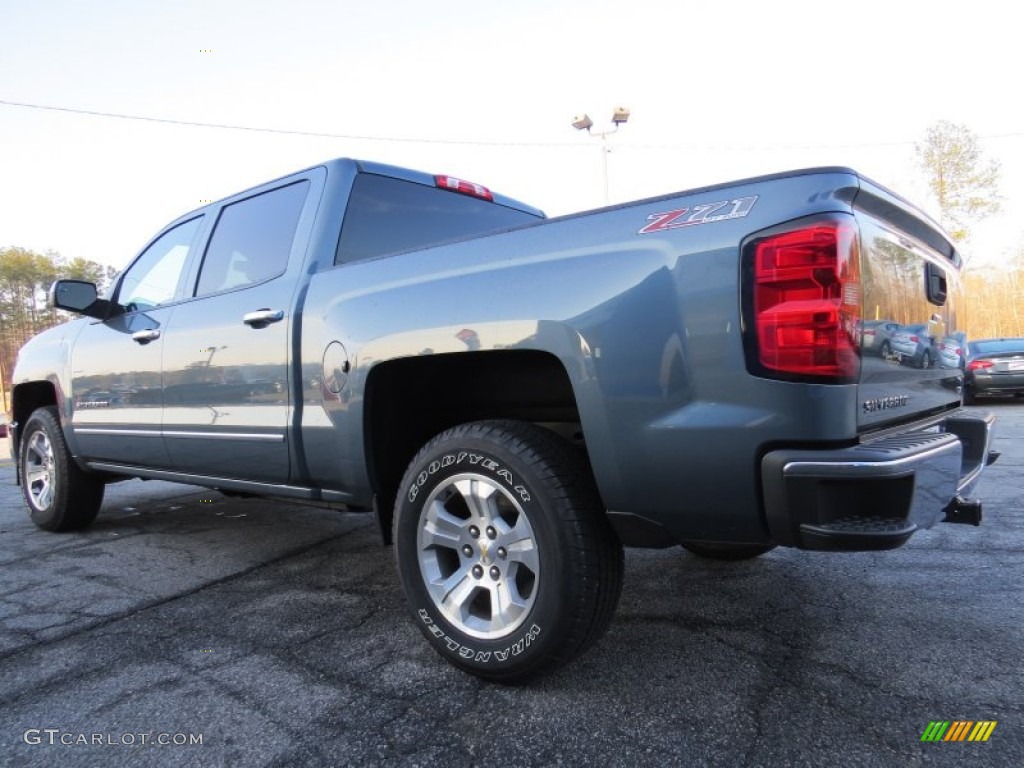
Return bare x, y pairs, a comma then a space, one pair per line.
994, 367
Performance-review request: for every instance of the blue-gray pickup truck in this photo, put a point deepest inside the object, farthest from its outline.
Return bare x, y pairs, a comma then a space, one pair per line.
516, 398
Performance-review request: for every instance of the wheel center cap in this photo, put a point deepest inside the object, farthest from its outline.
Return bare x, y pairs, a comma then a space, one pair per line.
485, 553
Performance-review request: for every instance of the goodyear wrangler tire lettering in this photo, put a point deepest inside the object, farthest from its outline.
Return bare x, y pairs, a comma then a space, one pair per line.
503, 549
485, 463
478, 656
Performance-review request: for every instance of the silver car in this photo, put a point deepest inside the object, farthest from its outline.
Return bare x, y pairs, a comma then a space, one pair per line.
914, 346
875, 337
952, 350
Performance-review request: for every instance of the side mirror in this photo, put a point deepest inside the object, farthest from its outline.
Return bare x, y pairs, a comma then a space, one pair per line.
80, 297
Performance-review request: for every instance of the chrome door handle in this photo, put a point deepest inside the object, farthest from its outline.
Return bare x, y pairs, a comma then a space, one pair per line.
261, 318
144, 337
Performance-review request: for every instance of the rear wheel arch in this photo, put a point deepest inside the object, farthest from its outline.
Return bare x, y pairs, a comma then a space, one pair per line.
410, 400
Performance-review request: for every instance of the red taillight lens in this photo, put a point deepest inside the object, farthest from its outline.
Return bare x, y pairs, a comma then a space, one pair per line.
974, 365
464, 187
807, 301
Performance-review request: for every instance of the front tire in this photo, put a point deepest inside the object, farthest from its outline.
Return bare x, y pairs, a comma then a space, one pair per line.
59, 494
509, 565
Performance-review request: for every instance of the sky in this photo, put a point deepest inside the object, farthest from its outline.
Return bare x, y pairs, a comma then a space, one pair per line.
482, 91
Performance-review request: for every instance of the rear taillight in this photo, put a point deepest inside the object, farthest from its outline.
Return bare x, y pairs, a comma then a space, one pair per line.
464, 187
806, 302
974, 365
915, 339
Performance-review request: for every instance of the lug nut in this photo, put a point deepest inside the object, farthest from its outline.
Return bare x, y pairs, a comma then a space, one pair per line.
491, 533
474, 532
495, 573
478, 571
502, 553
467, 551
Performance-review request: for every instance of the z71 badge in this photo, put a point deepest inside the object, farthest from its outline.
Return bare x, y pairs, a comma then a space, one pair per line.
705, 213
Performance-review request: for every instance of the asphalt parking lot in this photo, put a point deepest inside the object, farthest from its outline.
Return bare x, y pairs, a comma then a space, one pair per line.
275, 634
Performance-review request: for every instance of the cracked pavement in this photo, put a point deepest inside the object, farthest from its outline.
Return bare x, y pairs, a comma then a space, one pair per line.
277, 631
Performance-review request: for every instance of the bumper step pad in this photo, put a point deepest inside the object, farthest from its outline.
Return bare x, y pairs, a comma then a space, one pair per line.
857, 534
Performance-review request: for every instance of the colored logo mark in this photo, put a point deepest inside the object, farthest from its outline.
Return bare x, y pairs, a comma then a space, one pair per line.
958, 730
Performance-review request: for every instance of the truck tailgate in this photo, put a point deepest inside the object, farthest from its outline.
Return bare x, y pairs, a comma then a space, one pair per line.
911, 344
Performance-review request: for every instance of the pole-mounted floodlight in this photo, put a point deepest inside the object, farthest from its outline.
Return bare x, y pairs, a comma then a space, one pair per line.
583, 123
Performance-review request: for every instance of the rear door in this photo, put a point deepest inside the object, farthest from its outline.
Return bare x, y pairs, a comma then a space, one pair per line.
226, 385
910, 275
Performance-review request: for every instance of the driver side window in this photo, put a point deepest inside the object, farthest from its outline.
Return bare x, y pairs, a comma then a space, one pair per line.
154, 277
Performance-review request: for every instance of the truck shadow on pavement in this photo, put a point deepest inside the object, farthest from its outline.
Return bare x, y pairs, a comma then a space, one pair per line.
280, 632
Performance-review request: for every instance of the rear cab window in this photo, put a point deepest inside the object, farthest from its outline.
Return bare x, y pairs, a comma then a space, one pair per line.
387, 215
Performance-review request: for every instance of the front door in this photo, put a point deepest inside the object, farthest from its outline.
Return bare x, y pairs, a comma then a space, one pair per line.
116, 385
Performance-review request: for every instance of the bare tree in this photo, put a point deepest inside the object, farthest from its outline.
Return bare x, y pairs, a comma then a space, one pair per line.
965, 185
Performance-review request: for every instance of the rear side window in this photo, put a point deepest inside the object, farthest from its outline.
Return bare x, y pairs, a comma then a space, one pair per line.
252, 239
387, 215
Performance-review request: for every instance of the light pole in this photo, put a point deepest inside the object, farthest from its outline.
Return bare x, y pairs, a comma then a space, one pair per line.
584, 123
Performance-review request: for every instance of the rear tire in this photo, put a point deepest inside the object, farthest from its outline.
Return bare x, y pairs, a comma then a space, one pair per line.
508, 562
726, 551
60, 495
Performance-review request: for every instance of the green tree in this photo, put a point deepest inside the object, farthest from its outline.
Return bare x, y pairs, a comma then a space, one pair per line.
965, 185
